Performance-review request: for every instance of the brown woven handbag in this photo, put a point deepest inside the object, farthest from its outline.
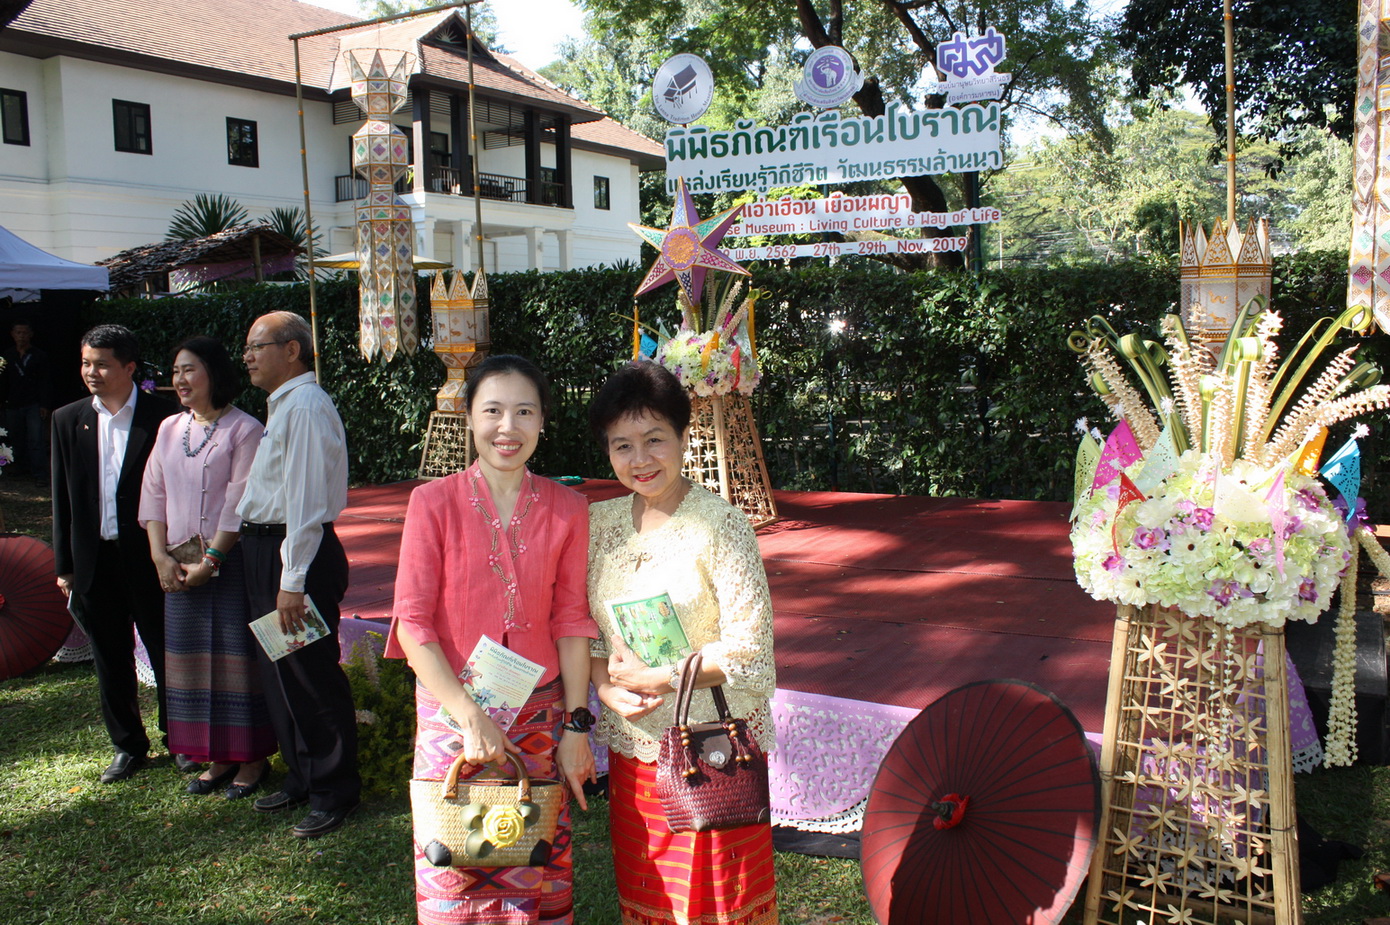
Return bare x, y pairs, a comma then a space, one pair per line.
486, 823
710, 775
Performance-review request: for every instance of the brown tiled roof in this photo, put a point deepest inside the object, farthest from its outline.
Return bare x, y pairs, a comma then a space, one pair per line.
251, 38
607, 133
132, 267
241, 36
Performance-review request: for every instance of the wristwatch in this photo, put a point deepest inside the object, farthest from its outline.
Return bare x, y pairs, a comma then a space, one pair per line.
578, 720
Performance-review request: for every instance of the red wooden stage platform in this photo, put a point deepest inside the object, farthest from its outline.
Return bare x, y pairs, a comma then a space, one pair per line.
882, 598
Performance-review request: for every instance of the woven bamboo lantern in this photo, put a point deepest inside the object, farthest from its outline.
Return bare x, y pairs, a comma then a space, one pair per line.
461, 334
1220, 274
385, 232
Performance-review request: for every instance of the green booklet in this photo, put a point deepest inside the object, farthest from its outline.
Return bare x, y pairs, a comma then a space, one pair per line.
651, 628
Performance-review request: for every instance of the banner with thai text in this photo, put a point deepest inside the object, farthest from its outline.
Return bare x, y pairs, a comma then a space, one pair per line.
847, 214
849, 248
826, 148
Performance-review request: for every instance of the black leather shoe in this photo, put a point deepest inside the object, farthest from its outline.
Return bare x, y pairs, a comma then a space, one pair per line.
242, 791
202, 786
186, 764
278, 802
321, 822
123, 767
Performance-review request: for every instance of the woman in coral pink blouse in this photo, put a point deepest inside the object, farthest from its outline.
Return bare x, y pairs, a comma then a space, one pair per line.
496, 551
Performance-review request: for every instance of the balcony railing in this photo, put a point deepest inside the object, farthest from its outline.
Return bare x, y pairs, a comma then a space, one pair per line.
454, 182
349, 187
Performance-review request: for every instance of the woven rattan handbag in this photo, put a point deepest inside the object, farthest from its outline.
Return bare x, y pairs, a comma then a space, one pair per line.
486, 823
710, 775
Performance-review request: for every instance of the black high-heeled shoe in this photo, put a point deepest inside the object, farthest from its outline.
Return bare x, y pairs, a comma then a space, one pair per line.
241, 791
202, 786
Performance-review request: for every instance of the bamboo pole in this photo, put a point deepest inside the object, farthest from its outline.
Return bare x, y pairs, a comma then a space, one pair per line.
1283, 826
1114, 707
1229, 21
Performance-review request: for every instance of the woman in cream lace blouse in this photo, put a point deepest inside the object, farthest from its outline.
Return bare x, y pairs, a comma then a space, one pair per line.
673, 536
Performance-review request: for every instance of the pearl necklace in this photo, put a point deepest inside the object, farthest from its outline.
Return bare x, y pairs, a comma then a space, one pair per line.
208, 431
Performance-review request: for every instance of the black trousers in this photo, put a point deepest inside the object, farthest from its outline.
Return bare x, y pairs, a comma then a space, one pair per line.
307, 693
117, 601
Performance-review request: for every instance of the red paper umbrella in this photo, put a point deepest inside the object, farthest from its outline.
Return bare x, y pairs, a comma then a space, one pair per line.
984, 810
34, 618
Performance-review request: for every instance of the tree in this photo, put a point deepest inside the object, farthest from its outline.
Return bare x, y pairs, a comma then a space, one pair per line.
1056, 51
1067, 199
1295, 61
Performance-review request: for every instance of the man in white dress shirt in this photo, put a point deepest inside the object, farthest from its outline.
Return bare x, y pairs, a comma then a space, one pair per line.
296, 489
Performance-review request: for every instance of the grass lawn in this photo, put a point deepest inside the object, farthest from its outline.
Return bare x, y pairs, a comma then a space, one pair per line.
143, 851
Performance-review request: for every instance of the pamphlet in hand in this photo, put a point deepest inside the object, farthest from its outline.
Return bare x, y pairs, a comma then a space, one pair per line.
651, 628
498, 680
277, 643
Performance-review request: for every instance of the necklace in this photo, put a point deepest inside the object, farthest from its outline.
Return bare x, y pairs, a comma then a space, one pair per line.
208, 431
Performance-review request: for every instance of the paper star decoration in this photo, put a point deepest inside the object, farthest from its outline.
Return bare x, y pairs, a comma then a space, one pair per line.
687, 247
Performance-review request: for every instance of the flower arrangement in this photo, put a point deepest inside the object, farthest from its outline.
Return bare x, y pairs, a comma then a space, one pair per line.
6, 451
1233, 525
1214, 507
713, 352
1207, 544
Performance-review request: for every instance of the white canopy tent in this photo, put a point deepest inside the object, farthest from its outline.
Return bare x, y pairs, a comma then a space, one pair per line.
26, 269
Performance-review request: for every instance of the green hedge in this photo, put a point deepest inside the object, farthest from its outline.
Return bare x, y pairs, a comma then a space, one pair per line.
938, 384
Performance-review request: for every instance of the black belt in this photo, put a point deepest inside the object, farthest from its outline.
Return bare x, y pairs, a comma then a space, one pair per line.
250, 529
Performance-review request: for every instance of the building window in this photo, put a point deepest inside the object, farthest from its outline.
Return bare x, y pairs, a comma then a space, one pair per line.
241, 143
601, 200
14, 114
132, 127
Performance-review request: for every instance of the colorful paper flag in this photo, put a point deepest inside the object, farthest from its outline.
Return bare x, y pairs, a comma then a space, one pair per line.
1311, 452
1087, 456
1161, 462
1343, 470
1120, 451
1278, 518
1128, 495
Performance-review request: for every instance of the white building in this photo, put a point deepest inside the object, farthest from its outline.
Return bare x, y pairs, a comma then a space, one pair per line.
114, 113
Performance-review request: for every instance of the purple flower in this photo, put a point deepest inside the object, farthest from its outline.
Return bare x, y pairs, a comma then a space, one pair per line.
1292, 525
1358, 517
1307, 590
147, 385
1114, 564
1145, 538
1203, 517
1223, 592
1308, 497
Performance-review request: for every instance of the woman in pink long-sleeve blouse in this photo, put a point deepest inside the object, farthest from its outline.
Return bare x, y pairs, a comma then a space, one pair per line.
193, 481
496, 551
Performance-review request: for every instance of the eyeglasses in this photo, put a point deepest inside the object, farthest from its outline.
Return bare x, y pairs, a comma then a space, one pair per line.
257, 348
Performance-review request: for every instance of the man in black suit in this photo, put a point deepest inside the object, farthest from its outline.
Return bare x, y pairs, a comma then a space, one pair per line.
100, 445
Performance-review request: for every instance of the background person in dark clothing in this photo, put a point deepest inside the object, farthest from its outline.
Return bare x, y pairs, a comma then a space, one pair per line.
29, 400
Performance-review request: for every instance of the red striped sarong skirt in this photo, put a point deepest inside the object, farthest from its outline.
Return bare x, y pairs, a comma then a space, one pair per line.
689, 878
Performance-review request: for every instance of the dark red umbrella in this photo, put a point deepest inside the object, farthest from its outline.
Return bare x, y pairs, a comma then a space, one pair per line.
984, 810
34, 618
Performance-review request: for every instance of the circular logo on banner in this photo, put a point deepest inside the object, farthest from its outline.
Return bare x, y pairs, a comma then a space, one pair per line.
829, 78
683, 89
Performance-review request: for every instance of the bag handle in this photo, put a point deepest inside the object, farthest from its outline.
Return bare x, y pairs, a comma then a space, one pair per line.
685, 690
523, 779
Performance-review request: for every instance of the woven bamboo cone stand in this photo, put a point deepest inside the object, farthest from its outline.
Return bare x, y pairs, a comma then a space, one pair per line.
725, 455
1181, 840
